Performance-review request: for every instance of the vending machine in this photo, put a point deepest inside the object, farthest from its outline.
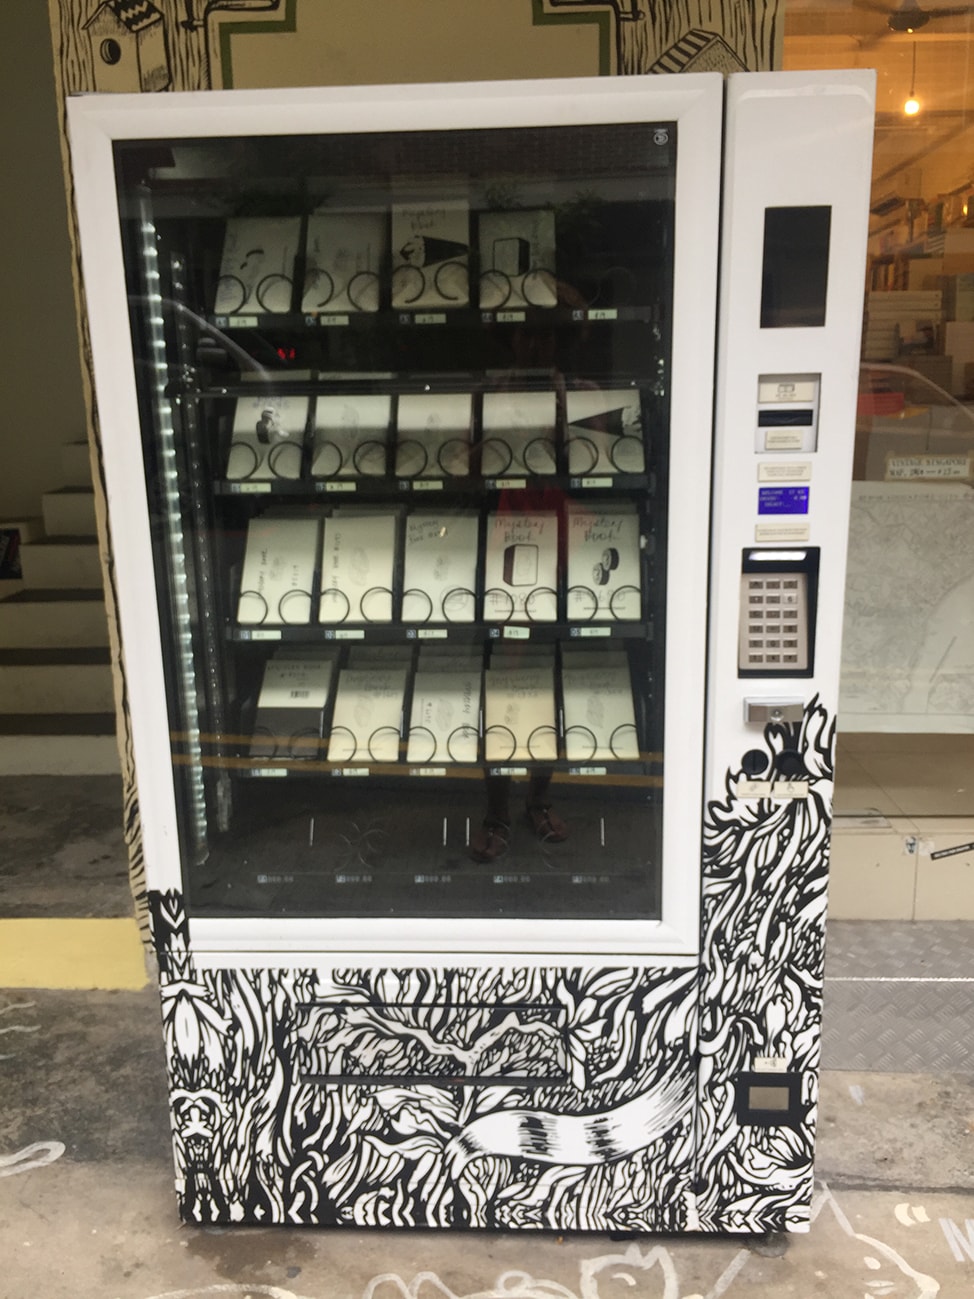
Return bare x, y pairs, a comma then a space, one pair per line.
477, 461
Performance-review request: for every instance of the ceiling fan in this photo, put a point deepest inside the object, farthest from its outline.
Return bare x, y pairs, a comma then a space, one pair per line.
909, 16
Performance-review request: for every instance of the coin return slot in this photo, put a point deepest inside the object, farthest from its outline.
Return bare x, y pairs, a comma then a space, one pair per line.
769, 1100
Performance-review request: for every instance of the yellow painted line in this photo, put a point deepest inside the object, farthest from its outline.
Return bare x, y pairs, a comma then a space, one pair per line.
103, 954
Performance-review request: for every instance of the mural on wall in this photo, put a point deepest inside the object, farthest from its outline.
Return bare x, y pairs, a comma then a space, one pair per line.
686, 35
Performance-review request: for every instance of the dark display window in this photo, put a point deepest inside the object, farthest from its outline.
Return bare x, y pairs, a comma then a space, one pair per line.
405, 417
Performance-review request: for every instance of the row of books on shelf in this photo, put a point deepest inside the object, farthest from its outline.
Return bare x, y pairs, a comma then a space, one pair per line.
431, 435
415, 257
377, 565
532, 704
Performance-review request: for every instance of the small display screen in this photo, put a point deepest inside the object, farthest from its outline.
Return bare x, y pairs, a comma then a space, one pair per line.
782, 500
795, 268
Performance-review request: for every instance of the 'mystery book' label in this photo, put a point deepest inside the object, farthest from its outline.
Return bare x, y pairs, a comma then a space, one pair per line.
430, 255
521, 567
603, 562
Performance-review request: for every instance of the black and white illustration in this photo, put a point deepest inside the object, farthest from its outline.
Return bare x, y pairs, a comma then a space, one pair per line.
764, 898
331, 1096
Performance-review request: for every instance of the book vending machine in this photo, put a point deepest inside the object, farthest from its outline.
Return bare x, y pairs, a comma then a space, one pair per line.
477, 461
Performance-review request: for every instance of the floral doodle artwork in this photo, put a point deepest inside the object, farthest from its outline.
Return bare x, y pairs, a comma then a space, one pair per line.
543, 1098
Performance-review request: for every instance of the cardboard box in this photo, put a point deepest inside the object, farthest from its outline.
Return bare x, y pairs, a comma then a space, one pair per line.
440, 566
959, 346
257, 266
444, 723
517, 259
267, 441
433, 435
604, 577
518, 434
278, 571
430, 255
344, 255
367, 721
519, 714
521, 567
357, 564
290, 707
351, 437
605, 432
600, 718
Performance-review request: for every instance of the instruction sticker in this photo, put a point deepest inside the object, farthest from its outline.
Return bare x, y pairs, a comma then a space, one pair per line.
783, 500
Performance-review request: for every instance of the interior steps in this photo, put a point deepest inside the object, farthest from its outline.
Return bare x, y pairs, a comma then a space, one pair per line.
57, 706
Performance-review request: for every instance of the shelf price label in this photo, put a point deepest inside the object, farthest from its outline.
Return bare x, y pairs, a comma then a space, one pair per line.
249, 489
268, 771
603, 313
586, 633
517, 633
427, 771
430, 318
350, 771
261, 633
337, 486
332, 320
511, 317
425, 485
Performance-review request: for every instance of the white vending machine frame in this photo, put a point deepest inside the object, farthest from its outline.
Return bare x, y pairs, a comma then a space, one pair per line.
687, 1046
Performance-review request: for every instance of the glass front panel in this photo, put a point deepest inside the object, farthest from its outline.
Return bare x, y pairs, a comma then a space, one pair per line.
404, 405
906, 709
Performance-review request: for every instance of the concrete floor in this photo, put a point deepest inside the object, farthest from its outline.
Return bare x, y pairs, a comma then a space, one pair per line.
86, 1202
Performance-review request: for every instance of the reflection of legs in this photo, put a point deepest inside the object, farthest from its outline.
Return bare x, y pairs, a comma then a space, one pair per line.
493, 837
544, 821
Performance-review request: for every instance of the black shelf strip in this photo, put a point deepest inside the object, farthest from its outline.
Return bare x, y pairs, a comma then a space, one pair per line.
455, 633
427, 489
295, 321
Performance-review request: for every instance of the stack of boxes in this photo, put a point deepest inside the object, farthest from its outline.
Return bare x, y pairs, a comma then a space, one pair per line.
929, 323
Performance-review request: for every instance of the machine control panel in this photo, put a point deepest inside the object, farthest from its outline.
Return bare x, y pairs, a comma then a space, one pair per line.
787, 413
777, 612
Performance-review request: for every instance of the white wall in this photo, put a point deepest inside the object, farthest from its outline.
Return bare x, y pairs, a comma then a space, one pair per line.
41, 406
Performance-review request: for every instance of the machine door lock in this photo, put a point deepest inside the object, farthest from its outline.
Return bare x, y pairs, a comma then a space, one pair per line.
761, 712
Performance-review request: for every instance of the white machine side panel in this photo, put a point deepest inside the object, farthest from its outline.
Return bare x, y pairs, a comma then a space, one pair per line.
799, 145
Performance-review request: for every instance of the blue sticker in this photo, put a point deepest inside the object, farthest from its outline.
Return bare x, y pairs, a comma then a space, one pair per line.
782, 500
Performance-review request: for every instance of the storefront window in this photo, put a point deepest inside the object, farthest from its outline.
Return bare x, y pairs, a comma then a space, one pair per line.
906, 713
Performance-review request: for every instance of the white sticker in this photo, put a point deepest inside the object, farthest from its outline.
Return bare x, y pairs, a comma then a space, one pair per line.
781, 533
779, 388
784, 439
771, 1064
791, 471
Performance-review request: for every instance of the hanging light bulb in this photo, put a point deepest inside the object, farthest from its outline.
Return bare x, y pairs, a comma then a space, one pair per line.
912, 105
